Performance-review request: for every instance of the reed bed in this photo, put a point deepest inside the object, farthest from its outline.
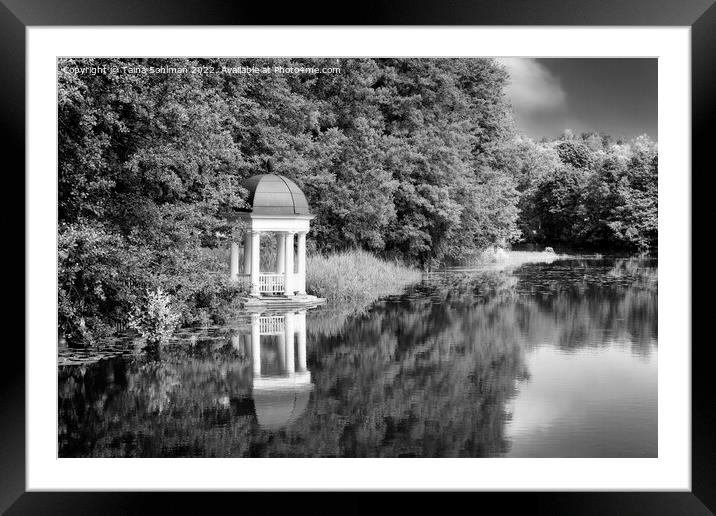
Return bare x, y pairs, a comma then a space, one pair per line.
356, 276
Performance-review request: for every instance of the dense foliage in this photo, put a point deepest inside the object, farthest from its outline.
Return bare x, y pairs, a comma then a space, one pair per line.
586, 191
412, 159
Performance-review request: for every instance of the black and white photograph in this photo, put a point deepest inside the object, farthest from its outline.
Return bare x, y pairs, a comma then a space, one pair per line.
357, 257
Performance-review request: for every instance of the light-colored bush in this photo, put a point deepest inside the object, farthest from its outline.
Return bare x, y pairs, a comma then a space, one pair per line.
156, 319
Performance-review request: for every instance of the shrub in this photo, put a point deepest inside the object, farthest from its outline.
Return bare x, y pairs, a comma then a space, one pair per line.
200, 285
100, 277
103, 275
156, 319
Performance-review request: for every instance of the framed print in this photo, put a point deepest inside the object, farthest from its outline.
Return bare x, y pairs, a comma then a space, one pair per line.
416, 252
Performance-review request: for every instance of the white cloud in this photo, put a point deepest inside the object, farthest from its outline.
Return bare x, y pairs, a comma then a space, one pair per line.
532, 88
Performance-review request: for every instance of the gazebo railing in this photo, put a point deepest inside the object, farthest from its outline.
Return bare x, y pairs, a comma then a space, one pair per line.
271, 283
271, 324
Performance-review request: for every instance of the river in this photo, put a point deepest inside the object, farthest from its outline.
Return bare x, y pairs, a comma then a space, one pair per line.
539, 360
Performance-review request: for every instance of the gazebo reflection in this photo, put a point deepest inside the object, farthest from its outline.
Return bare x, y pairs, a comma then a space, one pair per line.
281, 383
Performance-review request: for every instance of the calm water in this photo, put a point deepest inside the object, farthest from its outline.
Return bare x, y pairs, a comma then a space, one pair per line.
553, 360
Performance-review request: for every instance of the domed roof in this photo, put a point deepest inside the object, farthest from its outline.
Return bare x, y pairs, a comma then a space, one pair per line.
271, 194
276, 409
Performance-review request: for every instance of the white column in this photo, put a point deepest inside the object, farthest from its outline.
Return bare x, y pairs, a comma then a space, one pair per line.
234, 274
282, 351
255, 246
247, 252
280, 252
301, 318
288, 265
255, 345
288, 328
301, 286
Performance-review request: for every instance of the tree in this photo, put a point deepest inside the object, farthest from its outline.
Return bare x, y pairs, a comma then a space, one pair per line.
575, 154
597, 196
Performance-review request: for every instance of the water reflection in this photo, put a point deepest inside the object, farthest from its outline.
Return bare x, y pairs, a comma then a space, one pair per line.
281, 393
546, 359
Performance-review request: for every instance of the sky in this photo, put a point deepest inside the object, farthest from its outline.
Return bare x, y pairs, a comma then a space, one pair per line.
617, 96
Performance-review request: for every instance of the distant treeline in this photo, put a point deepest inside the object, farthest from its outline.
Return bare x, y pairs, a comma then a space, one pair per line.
587, 191
412, 159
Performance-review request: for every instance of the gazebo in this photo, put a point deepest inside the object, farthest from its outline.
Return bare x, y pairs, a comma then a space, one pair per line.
277, 207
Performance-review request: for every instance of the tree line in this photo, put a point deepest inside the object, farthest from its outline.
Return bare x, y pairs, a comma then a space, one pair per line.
412, 159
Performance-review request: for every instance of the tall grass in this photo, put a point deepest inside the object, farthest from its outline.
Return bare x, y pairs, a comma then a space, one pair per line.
356, 276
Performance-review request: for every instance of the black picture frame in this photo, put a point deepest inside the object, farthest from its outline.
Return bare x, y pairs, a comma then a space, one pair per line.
700, 15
